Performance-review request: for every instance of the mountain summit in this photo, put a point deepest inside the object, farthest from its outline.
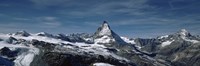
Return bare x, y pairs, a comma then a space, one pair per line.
22, 33
104, 35
184, 33
104, 30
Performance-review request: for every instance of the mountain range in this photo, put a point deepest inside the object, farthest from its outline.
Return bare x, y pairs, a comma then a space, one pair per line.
103, 48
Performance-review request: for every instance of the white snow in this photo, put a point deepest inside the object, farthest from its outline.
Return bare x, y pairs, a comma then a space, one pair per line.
43, 33
193, 41
104, 39
105, 30
183, 32
25, 58
166, 43
42, 38
165, 36
102, 64
128, 40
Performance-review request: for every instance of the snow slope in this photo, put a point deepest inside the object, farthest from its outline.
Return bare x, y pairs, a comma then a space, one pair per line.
102, 64
166, 43
25, 57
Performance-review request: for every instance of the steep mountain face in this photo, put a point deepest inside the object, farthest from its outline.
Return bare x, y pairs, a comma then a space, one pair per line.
104, 35
149, 45
180, 48
175, 44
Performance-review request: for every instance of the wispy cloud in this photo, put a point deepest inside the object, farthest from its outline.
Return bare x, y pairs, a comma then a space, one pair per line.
20, 18
49, 22
130, 7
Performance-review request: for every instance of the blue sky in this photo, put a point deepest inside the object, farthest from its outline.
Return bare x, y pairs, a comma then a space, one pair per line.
131, 18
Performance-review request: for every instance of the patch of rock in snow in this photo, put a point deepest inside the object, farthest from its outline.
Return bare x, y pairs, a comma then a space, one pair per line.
102, 64
166, 43
94, 48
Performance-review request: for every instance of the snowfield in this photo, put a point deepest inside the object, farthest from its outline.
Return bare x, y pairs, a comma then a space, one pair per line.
102, 64
166, 43
25, 56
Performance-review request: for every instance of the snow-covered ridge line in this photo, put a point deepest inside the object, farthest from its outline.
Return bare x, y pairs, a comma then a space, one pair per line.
87, 47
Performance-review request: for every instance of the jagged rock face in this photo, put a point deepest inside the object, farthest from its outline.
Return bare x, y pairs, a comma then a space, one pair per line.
179, 49
62, 37
75, 38
104, 35
11, 40
149, 45
66, 59
7, 52
188, 57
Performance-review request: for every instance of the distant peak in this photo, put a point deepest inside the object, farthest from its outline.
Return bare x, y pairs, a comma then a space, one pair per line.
184, 32
22, 33
105, 35
104, 29
44, 34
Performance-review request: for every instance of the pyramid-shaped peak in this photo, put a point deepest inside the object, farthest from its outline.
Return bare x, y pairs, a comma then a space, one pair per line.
104, 29
104, 35
105, 25
184, 32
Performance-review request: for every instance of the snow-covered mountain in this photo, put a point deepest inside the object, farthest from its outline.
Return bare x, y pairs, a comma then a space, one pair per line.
178, 48
103, 48
104, 35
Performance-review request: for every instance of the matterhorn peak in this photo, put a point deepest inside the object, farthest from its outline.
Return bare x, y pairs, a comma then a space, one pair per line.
184, 33
104, 35
104, 29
